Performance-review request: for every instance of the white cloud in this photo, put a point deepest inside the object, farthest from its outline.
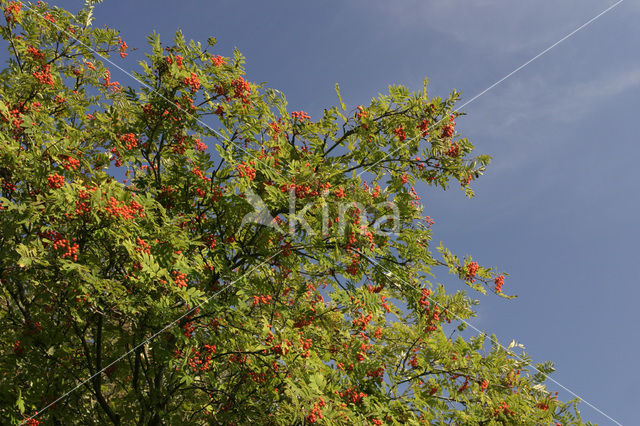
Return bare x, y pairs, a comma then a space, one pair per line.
585, 96
537, 98
497, 25
527, 120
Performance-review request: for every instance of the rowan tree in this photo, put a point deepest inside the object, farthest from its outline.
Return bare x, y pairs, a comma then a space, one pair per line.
183, 249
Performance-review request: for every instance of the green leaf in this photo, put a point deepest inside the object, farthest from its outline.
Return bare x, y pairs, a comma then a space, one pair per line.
20, 402
342, 105
27, 255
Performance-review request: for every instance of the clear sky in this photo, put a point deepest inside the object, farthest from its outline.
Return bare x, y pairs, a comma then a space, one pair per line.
558, 208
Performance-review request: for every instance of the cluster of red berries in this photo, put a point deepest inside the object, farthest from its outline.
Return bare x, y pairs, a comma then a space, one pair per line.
211, 241
60, 242
47, 17
352, 395
424, 300
246, 170
17, 348
429, 221
179, 145
415, 196
400, 133
199, 145
129, 140
72, 251
305, 190
276, 128
70, 163
362, 113
124, 211
300, 116
123, 47
303, 321
376, 374
499, 282
169, 60
472, 268
35, 53
188, 328
364, 347
453, 150
362, 321
180, 279
305, 345
143, 246
503, 408
192, 82
216, 193
257, 377
55, 181
7, 187
202, 361
241, 89
466, 180
11, 12
424, 128
116, 156
316, 411
448, 129
386, 307
15, 115
376, 191
413, 362
352, 242
44, 75
265, 299
542, 405
433, 319
113, 86
283, 348
218, 60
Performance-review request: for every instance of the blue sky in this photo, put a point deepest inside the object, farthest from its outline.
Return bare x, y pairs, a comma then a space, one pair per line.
558, 206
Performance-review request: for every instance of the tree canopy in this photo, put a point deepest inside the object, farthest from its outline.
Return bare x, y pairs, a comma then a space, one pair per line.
186, 250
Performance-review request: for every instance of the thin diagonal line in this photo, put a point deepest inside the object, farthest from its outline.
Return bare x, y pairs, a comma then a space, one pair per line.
153, 336
496, 341
586, 24
581, 27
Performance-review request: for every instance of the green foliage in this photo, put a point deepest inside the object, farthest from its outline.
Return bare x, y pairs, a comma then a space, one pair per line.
126, 269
